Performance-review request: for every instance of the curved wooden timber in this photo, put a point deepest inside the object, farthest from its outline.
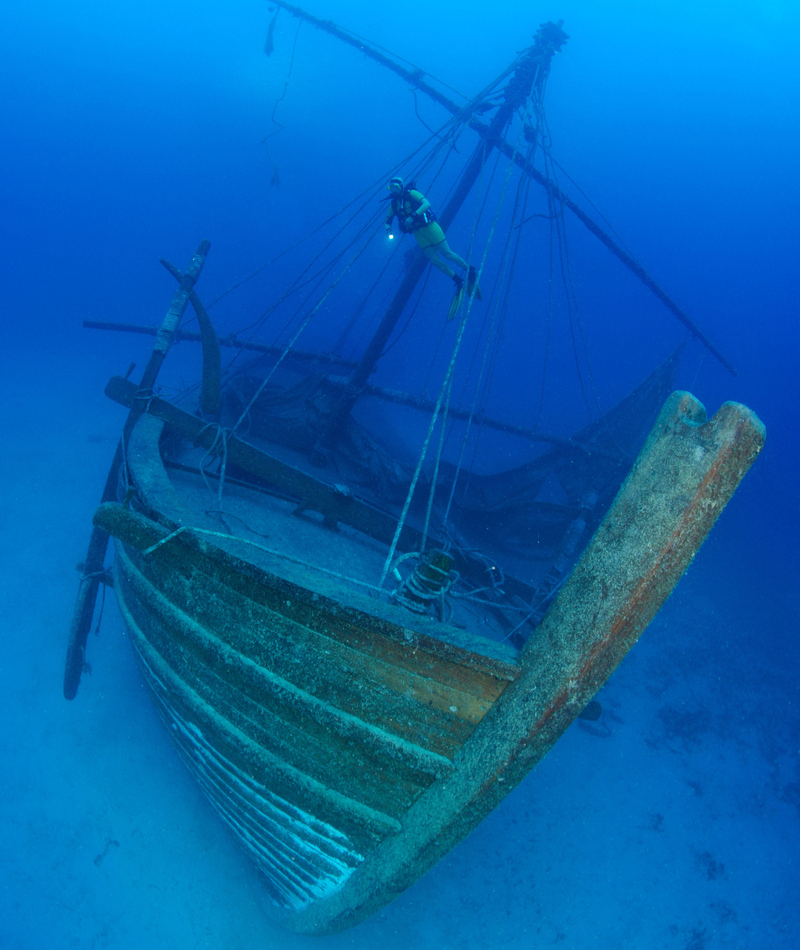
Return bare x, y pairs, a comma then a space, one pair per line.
349, 753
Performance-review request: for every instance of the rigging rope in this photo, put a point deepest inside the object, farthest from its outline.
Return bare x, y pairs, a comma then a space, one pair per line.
434, 416
410, 317
499, 283
509, 257
572, 300
497, 321
282, 555
300, 329
444, 392
369, 195
275, 174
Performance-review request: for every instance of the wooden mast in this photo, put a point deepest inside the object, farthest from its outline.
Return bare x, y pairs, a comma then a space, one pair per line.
415, 78
529, 78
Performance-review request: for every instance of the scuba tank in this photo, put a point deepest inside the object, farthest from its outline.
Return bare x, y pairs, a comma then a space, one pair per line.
420, 221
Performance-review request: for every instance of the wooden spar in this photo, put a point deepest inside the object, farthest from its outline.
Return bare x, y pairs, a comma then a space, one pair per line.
396, 396
380, 392
414, 77
230, 340
633, 266
212, 360
465, 415
93, 565
532, 70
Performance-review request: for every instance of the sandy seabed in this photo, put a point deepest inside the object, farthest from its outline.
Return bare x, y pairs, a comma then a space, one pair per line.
673, 822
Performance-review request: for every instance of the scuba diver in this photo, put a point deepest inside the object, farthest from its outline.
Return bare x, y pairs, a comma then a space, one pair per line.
415, 216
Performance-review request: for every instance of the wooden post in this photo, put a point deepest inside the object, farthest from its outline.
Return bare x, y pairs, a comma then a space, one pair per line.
93, 565
212, 359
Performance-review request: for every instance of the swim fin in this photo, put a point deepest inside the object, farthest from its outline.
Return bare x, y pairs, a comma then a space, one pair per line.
456, 302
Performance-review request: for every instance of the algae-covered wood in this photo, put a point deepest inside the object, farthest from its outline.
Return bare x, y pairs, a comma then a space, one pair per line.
280, 697
349, 752
680, 483
331, 653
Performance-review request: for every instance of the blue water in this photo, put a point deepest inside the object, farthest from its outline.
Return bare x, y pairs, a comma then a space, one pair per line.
133, 130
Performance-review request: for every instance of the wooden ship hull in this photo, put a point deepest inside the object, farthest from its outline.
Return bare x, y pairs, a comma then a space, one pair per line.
349, 744
349, 733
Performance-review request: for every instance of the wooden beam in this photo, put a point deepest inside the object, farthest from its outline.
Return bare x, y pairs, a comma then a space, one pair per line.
229, 340
335, 504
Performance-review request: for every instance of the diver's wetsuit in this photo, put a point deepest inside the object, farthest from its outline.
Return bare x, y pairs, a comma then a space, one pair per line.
425, 229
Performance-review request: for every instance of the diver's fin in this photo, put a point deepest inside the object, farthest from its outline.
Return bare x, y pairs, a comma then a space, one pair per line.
456, 302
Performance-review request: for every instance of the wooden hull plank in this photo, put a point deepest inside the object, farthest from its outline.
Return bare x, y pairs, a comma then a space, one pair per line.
274, 692
436, 657
239, 690
412, 706
684, 476
277, 835
348, 817
313, 655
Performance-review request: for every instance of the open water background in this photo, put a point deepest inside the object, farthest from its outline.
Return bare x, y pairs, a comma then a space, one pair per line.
132, 130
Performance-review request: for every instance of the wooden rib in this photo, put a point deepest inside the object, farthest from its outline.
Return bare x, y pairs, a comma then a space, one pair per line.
450, 666
271, 690
370, 785
281, 839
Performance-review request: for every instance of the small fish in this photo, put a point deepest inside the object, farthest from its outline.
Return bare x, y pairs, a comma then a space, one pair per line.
269, 45
591, 711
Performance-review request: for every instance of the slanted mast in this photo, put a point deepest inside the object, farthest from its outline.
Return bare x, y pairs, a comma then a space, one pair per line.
548, 32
